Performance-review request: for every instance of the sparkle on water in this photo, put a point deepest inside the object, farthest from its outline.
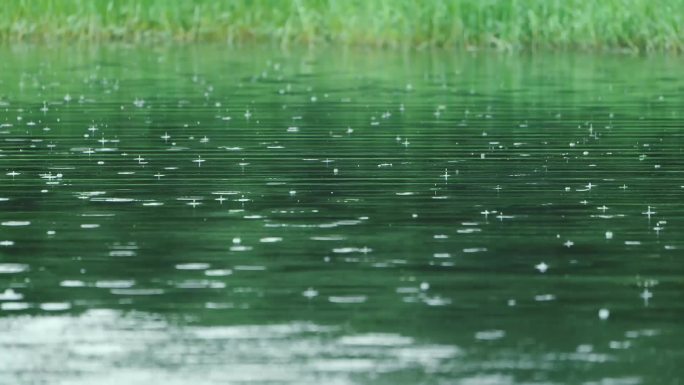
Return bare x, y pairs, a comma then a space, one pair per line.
196, 215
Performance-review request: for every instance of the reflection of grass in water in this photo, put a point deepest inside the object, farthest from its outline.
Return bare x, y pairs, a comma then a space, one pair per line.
643, 25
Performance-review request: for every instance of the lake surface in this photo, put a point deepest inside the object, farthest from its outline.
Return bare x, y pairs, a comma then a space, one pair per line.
197, 215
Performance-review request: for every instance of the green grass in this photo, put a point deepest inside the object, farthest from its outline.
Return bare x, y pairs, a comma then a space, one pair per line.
635, 25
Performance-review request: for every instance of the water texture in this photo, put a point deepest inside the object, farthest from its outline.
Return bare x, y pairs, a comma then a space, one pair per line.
209, 216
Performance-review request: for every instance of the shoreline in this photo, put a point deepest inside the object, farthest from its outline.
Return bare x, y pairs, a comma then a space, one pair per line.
631, 26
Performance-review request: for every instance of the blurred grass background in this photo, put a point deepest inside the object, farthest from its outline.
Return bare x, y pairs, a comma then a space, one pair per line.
632, 25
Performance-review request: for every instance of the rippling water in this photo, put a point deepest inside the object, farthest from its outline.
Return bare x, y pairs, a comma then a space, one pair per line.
196, 215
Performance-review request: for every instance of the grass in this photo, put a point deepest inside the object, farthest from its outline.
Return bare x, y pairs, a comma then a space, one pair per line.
634, 25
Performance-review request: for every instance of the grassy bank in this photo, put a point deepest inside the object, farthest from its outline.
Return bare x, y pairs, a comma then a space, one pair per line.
637, 25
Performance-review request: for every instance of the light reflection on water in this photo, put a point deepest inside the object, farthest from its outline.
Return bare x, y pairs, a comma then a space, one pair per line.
111, 347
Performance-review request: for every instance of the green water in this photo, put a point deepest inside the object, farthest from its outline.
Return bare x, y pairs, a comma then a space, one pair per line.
201, 216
